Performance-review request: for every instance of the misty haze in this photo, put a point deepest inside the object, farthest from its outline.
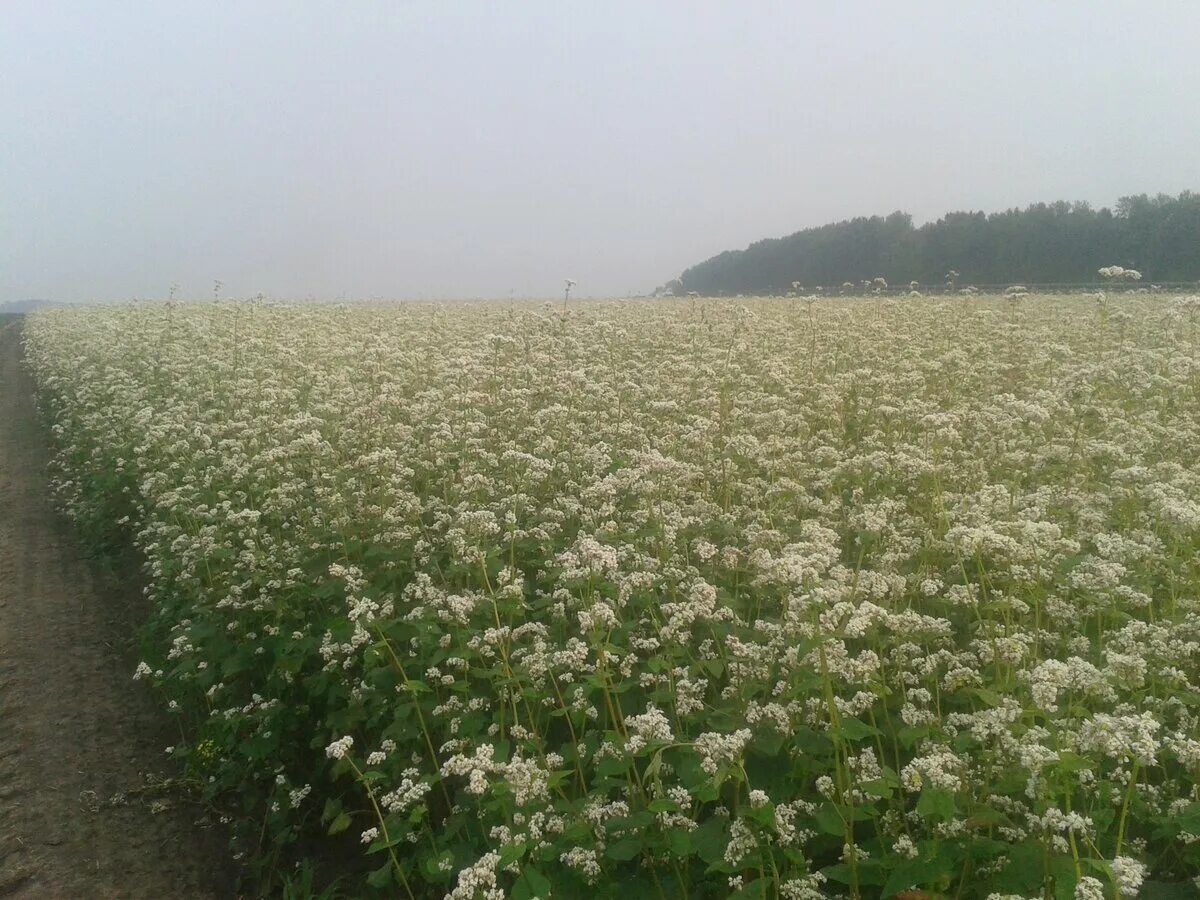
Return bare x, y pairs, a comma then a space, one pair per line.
548, 450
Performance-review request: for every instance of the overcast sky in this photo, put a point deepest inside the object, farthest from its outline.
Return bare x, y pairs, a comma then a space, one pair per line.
437, 149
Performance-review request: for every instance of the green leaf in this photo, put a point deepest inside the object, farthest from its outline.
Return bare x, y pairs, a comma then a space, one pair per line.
811, 743
1162, 890
856, 730
610, 766
758, 889
880, 787
768, 743
870, 871
333, 806
709, 840
531, 884
1023, 874
1101, 866
985, 817
1189, 818
679, 841
829, 820
637, 821
1188, 698
917, 873
440, 866
1072, 762
625, 849
381, 877
1065, 879
654, 766
936, 804
991, 698
839, 872
340, 824
512, 852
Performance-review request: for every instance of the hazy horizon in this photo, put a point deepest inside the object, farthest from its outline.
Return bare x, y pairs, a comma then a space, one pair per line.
383, 151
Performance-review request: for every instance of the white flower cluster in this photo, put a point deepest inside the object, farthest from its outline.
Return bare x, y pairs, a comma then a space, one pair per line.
1121, 737
1119, 273
478, 881
935, 562
527, 778
1129, 874
406, 794
339, 748
650, 726
721, 749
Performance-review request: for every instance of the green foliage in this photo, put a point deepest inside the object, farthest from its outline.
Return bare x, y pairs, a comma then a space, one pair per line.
1044, 243
663, 600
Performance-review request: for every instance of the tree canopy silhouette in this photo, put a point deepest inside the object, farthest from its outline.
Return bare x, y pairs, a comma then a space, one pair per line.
1044, 243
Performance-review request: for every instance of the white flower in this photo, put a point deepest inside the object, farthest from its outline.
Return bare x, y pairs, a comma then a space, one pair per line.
339, 748
650, 726
717, 749
1129, 874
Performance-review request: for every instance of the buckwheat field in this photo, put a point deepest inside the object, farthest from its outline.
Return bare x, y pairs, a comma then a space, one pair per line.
776, 598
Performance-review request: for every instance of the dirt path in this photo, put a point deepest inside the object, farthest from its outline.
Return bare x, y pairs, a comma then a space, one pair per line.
75, 730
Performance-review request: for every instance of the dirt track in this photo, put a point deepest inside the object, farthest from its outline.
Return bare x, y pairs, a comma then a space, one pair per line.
75, 730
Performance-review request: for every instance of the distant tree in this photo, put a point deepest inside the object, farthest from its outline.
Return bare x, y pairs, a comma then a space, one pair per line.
1042, 243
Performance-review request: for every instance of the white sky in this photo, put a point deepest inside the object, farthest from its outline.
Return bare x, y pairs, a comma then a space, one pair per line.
456, 149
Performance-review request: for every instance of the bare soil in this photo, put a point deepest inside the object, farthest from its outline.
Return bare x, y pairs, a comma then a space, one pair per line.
82, 810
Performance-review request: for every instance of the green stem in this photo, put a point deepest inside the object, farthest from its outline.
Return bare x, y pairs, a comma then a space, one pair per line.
382, 828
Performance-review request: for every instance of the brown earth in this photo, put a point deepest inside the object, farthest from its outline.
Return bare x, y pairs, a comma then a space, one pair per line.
82, 810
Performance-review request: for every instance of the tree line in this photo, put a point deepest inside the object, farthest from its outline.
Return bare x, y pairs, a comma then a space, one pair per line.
1043, 243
